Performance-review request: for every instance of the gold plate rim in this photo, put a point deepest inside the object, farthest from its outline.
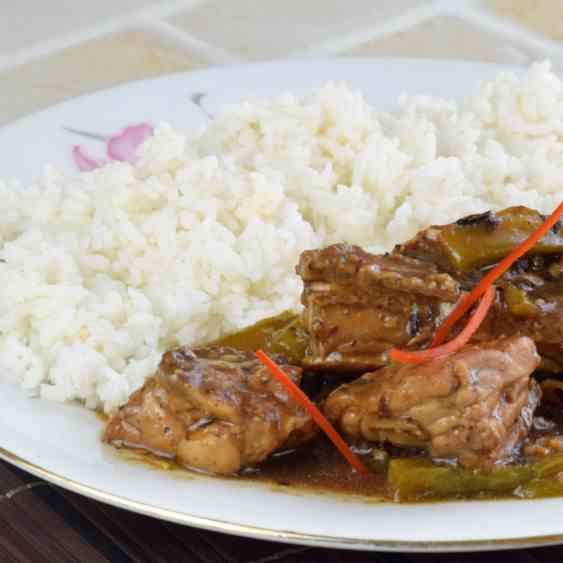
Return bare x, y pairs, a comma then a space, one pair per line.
284, 536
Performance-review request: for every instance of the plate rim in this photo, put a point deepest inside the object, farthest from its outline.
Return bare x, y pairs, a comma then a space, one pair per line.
246, 530
270, 534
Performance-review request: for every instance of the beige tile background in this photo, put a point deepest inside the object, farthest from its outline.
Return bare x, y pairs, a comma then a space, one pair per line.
448, 36
55, 49
104, 61
274, 28
24, 23
543, 16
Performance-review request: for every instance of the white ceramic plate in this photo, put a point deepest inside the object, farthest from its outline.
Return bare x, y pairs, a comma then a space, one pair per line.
60, 443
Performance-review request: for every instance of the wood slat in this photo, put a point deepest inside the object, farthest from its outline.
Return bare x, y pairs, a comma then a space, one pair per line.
236, 549
14, 547
144, 538
35, 528
333, 556
11, 478
547, 554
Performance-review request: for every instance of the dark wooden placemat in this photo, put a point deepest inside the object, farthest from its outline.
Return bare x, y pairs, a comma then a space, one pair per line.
43, 523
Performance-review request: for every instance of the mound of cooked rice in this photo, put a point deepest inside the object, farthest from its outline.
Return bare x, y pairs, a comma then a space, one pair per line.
100, 272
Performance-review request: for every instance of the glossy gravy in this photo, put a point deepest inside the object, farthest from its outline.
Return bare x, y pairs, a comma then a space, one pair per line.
319, 467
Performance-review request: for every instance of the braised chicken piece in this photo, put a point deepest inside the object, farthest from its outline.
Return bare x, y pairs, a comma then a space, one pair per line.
358, 305
537, 312
531, 293
473, 407
476, 241
544, 446
218, 409
213, 409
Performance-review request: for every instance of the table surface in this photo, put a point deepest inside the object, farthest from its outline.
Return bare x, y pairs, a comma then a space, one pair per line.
44, 47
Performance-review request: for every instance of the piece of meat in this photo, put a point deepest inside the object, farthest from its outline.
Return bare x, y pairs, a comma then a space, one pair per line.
359, 305
534, 312
543, 446
531, 293
215, 409
473, 407
545, 437
464, 247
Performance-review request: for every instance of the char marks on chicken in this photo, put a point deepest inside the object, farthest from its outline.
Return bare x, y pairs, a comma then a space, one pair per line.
530, 294
358, 305
474, 242
213, 409
473, 407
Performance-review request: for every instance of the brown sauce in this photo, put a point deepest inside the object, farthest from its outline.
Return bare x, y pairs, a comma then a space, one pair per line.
319, 467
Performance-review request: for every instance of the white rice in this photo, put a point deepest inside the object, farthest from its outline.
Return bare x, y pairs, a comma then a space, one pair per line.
102, 271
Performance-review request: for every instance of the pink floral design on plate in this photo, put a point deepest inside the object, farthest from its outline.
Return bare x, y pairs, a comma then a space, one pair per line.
122, 146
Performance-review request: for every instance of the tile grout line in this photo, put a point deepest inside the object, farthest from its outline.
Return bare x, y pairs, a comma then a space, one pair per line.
502, 26
150, 19
186, 41
51, 46
168, 8
347, 41
467, 10
150, 16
